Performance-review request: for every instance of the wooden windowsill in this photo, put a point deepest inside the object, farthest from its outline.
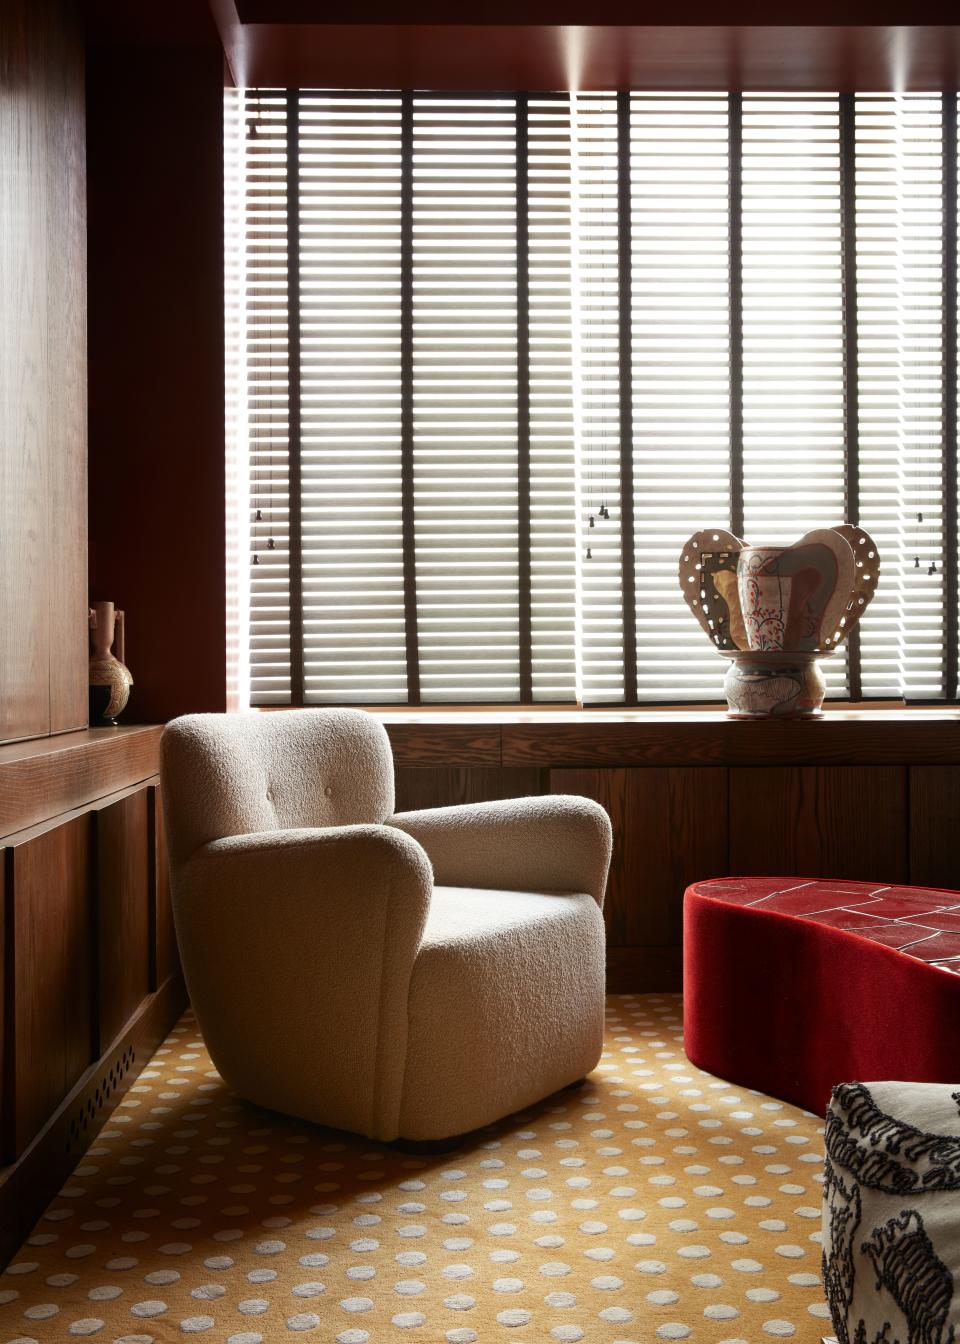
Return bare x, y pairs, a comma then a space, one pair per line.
554, 738
864, 712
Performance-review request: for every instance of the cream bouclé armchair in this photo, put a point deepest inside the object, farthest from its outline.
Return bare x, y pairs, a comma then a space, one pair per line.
403, 976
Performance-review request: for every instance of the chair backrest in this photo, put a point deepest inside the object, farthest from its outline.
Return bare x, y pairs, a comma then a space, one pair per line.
233, 774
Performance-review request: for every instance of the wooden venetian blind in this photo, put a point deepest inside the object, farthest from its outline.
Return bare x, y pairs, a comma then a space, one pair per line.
502, 353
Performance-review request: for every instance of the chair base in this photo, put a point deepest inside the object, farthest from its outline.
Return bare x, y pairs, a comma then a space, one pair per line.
430, 1147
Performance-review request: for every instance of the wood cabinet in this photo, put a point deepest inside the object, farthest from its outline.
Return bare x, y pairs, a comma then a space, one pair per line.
821, 821
90, 974
43, 392
871, 795
50, 972
123, 893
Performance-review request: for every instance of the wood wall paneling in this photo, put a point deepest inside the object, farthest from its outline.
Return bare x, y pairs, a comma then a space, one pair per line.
6, 1073
42, 371
165, 959
934, 841
50, 969
124, 917
66, 484
670, 828
444, 744
156, 346
438, 786
24, 468
711, 738
644, 970
829, 821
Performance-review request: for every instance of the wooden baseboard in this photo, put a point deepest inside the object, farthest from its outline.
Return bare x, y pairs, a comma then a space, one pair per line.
28, 1185
644, 970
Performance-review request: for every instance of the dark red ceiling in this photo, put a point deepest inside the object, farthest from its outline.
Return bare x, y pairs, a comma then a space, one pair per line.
602, 13
556, 44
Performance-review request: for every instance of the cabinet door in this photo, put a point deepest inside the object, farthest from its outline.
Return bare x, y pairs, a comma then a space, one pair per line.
819, 821
165, 961
934, 808
123, 911
51, 923
669, 829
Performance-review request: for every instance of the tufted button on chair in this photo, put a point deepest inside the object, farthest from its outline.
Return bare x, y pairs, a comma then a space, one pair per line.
414, 975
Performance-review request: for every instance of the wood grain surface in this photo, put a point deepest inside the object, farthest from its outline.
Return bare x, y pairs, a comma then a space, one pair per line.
50, 969
445, 786
934, 836
826, 821
43, 561
165, 960
123, 914
678, 739
669, 829
444, 744
42, 779
156, 338
28, 1185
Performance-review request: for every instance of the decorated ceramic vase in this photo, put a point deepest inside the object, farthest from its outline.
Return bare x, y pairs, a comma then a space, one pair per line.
109, 678
774, 611
765, 686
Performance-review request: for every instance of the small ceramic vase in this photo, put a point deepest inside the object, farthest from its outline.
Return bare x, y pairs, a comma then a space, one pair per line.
110, 680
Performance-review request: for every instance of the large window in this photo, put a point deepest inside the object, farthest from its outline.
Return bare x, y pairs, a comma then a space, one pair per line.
497, 356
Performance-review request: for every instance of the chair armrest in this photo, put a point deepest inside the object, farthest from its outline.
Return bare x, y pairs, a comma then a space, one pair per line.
297, 948
553, 843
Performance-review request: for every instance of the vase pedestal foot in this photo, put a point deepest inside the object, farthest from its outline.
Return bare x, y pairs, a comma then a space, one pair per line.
774, 685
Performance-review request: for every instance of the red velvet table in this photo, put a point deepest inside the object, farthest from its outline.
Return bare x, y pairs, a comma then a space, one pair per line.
793, 985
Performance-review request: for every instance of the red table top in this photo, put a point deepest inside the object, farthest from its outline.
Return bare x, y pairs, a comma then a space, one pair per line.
921, 922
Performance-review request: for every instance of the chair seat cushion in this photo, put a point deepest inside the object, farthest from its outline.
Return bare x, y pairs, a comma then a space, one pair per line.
891, 1212
506, 1005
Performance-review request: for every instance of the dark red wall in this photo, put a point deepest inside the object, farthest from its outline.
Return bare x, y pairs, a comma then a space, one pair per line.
156, 352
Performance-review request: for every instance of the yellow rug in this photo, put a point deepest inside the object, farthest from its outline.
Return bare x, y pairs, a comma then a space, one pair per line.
655, 1203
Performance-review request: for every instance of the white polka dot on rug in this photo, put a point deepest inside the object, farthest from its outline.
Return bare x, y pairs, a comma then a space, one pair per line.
514, 1316
460, 1302
762, 1295
149, 1307
615, 1315
357, 1304
303, 1320
565, 1269
253, 1306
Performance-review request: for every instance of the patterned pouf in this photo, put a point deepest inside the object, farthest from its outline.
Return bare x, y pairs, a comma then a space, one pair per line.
793, 985
891, 1213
